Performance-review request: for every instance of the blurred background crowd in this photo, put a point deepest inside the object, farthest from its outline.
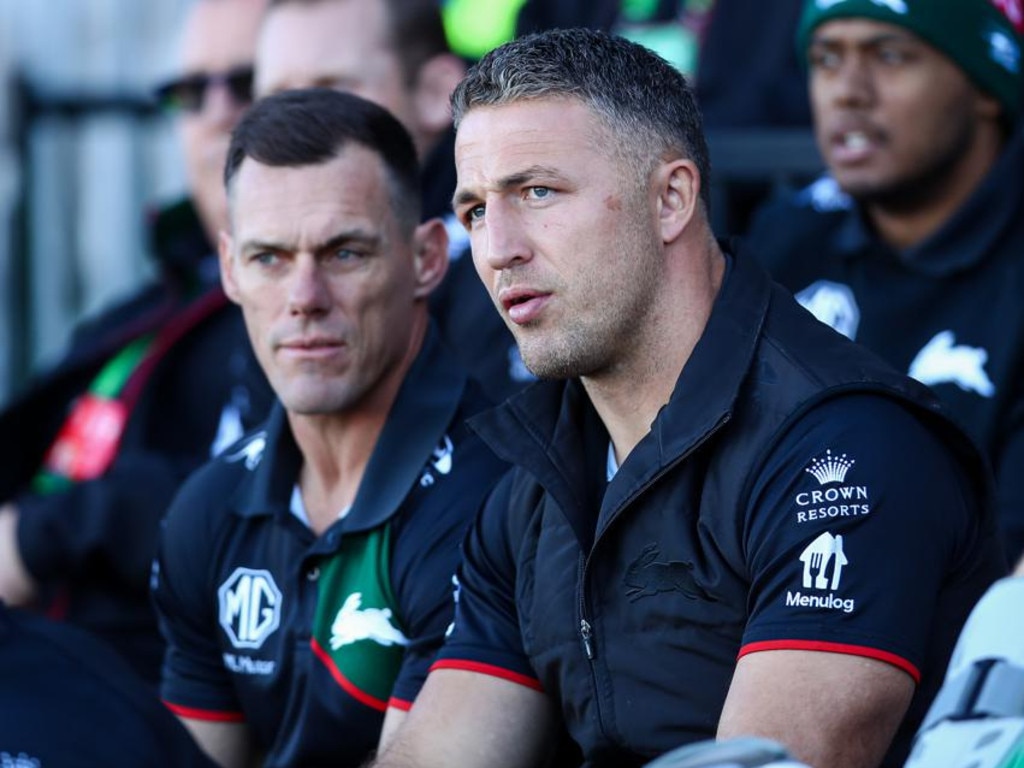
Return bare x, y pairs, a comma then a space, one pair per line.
87, 154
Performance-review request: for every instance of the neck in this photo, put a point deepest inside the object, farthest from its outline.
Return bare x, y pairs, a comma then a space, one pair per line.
337, 447
629, 397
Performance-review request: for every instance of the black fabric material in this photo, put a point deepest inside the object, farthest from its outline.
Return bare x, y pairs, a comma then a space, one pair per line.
70, 701
711, 489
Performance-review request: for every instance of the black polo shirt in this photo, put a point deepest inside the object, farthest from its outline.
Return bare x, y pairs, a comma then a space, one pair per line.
309, 639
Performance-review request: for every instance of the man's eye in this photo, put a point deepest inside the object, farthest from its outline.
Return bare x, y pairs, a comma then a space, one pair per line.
539, 193
346, 254
266, 258
475, 213
891, 56
823, 59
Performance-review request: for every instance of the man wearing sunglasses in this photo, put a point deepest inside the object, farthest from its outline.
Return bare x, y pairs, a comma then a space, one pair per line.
395, 53
150, 388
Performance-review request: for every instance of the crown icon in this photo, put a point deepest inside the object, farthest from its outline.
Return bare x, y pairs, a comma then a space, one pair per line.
830, 469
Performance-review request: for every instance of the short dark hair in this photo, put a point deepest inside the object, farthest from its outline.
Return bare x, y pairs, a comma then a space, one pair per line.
415, 29
646, 103
310, 126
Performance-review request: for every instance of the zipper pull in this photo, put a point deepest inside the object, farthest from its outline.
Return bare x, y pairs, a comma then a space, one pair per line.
586, 634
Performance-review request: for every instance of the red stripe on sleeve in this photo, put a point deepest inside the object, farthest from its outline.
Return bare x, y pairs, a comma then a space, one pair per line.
205, 714
489, 669
850, 650
401, 704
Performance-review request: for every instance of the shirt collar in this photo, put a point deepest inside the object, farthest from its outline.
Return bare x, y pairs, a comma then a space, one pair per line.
556, 414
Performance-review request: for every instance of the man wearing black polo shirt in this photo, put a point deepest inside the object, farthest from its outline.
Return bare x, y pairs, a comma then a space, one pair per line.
913, 244
724, 518
304, 578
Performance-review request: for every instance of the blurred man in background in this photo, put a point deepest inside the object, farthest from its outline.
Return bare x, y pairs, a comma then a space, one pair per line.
394, 52
64, 695
148, 390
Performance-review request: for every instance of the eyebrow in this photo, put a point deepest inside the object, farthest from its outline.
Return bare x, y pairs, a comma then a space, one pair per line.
873, 40
342, 238
463, 196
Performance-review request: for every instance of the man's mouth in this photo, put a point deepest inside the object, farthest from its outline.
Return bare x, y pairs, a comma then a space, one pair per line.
522, 304
853, 145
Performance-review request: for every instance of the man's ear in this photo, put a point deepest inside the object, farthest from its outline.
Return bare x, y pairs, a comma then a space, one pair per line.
677, 184
430, 259
225, 247
434, 85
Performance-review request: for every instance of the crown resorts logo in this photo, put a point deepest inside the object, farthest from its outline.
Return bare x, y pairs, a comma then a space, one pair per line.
835, 500
830, 469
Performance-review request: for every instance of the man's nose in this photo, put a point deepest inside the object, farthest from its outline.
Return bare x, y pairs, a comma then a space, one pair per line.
308, 292
505, 241
221, 106
853, 83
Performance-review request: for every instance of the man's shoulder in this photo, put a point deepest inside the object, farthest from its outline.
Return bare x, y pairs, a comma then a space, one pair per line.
210, 491
798, 224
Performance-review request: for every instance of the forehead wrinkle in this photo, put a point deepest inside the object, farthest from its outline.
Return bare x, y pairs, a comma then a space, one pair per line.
351, 235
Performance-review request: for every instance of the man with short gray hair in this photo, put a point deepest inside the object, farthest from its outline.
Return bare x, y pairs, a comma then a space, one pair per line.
723, 519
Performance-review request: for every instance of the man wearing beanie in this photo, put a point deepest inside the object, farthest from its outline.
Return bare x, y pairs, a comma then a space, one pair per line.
913, 243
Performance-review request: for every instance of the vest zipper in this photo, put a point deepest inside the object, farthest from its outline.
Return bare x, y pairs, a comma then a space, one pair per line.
661, 473
586, 631
586, 634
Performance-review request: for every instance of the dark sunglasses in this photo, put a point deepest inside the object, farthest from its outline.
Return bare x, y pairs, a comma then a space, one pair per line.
188, 93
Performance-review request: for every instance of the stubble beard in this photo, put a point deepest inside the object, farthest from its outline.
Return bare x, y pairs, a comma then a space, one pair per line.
591, 341
921, 187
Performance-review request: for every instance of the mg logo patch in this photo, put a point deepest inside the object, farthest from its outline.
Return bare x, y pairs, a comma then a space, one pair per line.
250, 607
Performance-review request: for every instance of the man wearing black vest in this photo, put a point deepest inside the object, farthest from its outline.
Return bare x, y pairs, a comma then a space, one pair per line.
724, 519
